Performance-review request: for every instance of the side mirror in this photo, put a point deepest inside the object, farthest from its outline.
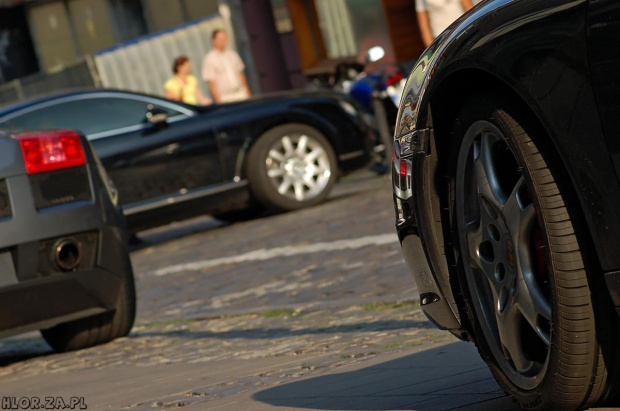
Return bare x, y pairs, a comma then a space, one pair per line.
156, 116
375, 53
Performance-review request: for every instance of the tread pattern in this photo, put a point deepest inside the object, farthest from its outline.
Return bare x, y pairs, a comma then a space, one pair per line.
578, 368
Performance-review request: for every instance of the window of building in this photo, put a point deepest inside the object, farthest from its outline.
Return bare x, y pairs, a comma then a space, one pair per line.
197, 9
92, 26
351, 27
163, 14
281, 16
52, 35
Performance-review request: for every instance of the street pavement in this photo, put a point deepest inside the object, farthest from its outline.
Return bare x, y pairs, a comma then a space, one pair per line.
312, 309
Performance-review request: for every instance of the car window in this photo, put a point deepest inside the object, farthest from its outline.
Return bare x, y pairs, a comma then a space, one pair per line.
90, 115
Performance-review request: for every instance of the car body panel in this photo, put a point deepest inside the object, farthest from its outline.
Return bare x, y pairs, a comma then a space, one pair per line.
537, 52
195, 162
33, 295
604, 24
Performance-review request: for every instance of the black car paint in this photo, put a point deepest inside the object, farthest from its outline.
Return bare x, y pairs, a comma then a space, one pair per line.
536, 53
166, 172
30, 302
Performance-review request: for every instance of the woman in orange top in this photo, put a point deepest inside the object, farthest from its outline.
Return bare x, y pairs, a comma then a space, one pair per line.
184, 86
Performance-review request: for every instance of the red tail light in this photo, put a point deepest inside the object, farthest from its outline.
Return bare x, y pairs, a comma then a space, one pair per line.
51, 150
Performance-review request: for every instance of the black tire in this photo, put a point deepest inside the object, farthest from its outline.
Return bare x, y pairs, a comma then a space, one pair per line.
99, 329
263, 187
574, 373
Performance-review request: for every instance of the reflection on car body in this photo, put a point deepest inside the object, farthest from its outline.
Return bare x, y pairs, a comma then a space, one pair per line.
506, 188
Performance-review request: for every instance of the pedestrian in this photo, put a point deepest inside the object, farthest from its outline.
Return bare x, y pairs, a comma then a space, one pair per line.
223, 69
434, 16
183, 86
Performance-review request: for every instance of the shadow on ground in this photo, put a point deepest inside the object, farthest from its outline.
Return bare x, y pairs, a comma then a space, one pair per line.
444, 378
14, 351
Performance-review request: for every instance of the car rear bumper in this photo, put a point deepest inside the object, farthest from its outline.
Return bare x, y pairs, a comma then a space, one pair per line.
46, 302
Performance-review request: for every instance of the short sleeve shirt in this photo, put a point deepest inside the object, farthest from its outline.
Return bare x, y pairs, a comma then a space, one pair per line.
185, 91
441, 13
223, 68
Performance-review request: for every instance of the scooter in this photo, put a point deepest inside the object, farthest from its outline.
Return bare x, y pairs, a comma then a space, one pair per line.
380, 93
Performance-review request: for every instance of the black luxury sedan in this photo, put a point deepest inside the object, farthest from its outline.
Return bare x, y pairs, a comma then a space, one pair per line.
171, 161
507, 193
64, 264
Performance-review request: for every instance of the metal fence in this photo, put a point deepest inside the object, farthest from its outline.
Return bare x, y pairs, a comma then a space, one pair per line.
79, 75
145, 64
140, 65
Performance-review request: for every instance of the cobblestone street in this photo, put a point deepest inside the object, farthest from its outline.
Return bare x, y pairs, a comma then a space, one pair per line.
311, 309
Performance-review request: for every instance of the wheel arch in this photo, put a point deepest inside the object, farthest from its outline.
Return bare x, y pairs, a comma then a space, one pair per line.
449, 97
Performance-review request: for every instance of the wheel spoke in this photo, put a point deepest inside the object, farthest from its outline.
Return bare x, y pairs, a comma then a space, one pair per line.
299, 190
288, 145
519, 216
301, 146
315, 171
285, 185
486, 177
276, 155
309, 181
533, 305
509, 328
474, 239
275, 172
313, 155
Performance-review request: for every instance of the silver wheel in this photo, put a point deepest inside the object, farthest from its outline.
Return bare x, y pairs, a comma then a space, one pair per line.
505, 269
298, 167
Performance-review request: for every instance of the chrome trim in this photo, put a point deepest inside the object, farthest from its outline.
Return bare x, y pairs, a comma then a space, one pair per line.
349, 156
129, 129
128, 96
136, 208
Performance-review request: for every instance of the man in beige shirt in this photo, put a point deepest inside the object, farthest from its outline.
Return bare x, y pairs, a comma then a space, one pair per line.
222, 69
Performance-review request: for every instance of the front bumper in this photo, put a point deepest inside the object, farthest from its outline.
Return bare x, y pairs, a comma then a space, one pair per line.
420, 237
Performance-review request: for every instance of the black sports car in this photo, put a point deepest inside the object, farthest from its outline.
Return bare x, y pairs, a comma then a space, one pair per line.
171, 160
507, 192
64, 265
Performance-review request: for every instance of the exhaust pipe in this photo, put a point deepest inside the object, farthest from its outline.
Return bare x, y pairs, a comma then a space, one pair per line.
67, 254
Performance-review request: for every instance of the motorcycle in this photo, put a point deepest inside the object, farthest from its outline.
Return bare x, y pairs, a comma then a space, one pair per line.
380, 93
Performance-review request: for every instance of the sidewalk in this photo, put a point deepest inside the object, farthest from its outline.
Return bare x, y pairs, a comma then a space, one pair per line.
448, 377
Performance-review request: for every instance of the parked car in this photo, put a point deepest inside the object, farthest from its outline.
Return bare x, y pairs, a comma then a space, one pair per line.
64, 266
506, 193
171, 161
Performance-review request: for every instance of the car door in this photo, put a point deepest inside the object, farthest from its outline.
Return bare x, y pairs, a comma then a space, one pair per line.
147, 162
604, 54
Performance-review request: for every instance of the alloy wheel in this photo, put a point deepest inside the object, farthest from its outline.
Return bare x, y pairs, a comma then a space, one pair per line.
298, 167
503, 255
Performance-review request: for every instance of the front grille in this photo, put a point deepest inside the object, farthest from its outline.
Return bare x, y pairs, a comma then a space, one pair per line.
60, 187
5, 203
